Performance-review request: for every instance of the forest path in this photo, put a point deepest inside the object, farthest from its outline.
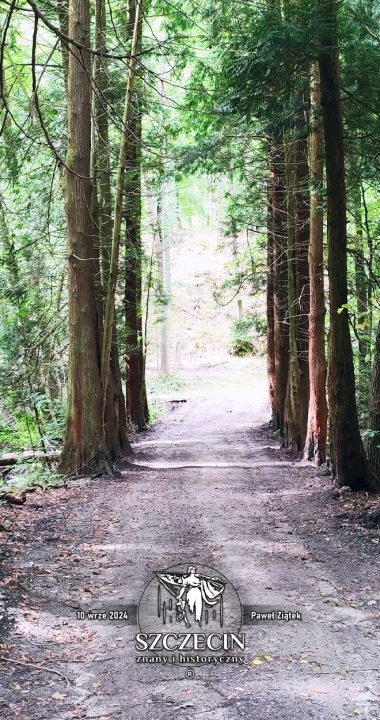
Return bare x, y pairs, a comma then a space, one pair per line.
208, 486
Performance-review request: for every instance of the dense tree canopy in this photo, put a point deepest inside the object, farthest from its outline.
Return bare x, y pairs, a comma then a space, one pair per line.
105, 106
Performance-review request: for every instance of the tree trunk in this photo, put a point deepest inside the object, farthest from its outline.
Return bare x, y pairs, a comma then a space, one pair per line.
292, 436
163, 263
271, 360
63, 17
361, 291
297, 394
302, 239
280, 280
141, 331
102, 150
137, 407
118, 210
370, 280
235, 252
373, 442
115, 416
134, 358
346, 448
315, 445
84, 445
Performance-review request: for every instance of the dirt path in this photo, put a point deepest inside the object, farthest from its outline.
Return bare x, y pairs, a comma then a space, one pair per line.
208, 486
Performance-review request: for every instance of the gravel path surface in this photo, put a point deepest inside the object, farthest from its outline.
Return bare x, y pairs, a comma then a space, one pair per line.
208, 486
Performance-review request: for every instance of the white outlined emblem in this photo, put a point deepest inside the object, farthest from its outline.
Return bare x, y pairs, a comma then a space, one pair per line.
198, 594
189, 608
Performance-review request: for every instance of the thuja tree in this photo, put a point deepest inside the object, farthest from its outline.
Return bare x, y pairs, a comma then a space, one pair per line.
85, 441
278, 352
297, 394
315, 443
137, 405
32, 293
75, 119
346, 447
373, 440
102, 213
260, 82
260, 49
247, 108
360, 56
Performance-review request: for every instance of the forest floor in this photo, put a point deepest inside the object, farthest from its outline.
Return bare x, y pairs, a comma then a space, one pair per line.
212, 488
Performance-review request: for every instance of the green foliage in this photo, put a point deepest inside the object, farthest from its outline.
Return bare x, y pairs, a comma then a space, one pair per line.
161, 384
217, 83
18, 432
39, 426
25, 477
160, 389
248, 334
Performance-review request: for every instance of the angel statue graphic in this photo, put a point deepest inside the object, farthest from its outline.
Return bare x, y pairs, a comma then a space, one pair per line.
193, 592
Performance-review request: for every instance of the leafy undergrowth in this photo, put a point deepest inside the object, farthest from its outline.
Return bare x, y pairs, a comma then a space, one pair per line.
39, 426
18, 481
161, 389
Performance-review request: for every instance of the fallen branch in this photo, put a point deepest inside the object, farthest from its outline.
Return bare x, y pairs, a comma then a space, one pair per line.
27, 456
19, 497
12, 498
37, 667
330, 582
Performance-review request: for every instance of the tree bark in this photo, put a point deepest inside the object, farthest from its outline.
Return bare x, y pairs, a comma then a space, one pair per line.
63, 17
361, 291
118, 212
163, 262
370, 280
84, 445
373, 442
346, 448
280, 280
115, 423
137, 406
102, 150
134, 358
292, 437
271, 359
302, 239
297, 394
315, 445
